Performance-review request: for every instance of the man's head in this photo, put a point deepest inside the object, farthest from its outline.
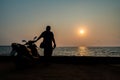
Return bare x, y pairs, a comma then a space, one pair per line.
48, 28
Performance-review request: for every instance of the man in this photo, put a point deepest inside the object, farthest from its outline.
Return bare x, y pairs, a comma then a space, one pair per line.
48, 38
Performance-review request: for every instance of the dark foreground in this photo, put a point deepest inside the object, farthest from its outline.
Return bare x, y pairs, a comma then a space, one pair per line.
63, 68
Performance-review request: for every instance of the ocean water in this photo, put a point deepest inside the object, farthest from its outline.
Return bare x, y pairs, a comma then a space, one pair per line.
74, 51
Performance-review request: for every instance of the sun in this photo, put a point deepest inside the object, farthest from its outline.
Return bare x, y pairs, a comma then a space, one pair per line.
81, 31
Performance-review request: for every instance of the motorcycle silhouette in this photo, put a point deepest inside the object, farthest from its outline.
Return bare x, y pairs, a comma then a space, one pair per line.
25, 54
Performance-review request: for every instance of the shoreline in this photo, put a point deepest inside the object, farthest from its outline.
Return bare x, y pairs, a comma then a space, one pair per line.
73, 59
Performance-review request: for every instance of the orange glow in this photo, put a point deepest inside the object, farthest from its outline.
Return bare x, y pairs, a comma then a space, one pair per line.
82, 31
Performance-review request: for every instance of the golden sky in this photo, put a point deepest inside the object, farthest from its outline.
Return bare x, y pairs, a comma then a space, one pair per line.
24, 19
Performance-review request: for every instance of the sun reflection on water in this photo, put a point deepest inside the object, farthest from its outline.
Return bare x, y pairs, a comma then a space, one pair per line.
83, 51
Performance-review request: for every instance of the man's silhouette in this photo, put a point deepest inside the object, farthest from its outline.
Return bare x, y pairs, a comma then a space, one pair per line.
48, 38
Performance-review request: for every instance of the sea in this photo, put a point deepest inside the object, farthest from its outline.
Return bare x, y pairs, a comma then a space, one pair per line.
73, 51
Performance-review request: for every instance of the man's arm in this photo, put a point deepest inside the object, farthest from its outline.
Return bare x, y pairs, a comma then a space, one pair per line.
39, 37
54, 42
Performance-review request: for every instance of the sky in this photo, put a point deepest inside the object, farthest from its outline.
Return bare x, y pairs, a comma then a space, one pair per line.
24, 19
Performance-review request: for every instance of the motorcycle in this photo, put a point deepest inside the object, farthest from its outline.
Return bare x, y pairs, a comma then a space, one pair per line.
25, 54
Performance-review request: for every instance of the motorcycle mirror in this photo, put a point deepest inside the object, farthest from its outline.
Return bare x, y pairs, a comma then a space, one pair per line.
35, 37
24, 41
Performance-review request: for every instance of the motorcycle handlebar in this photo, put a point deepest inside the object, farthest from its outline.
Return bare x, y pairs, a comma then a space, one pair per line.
29, 42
